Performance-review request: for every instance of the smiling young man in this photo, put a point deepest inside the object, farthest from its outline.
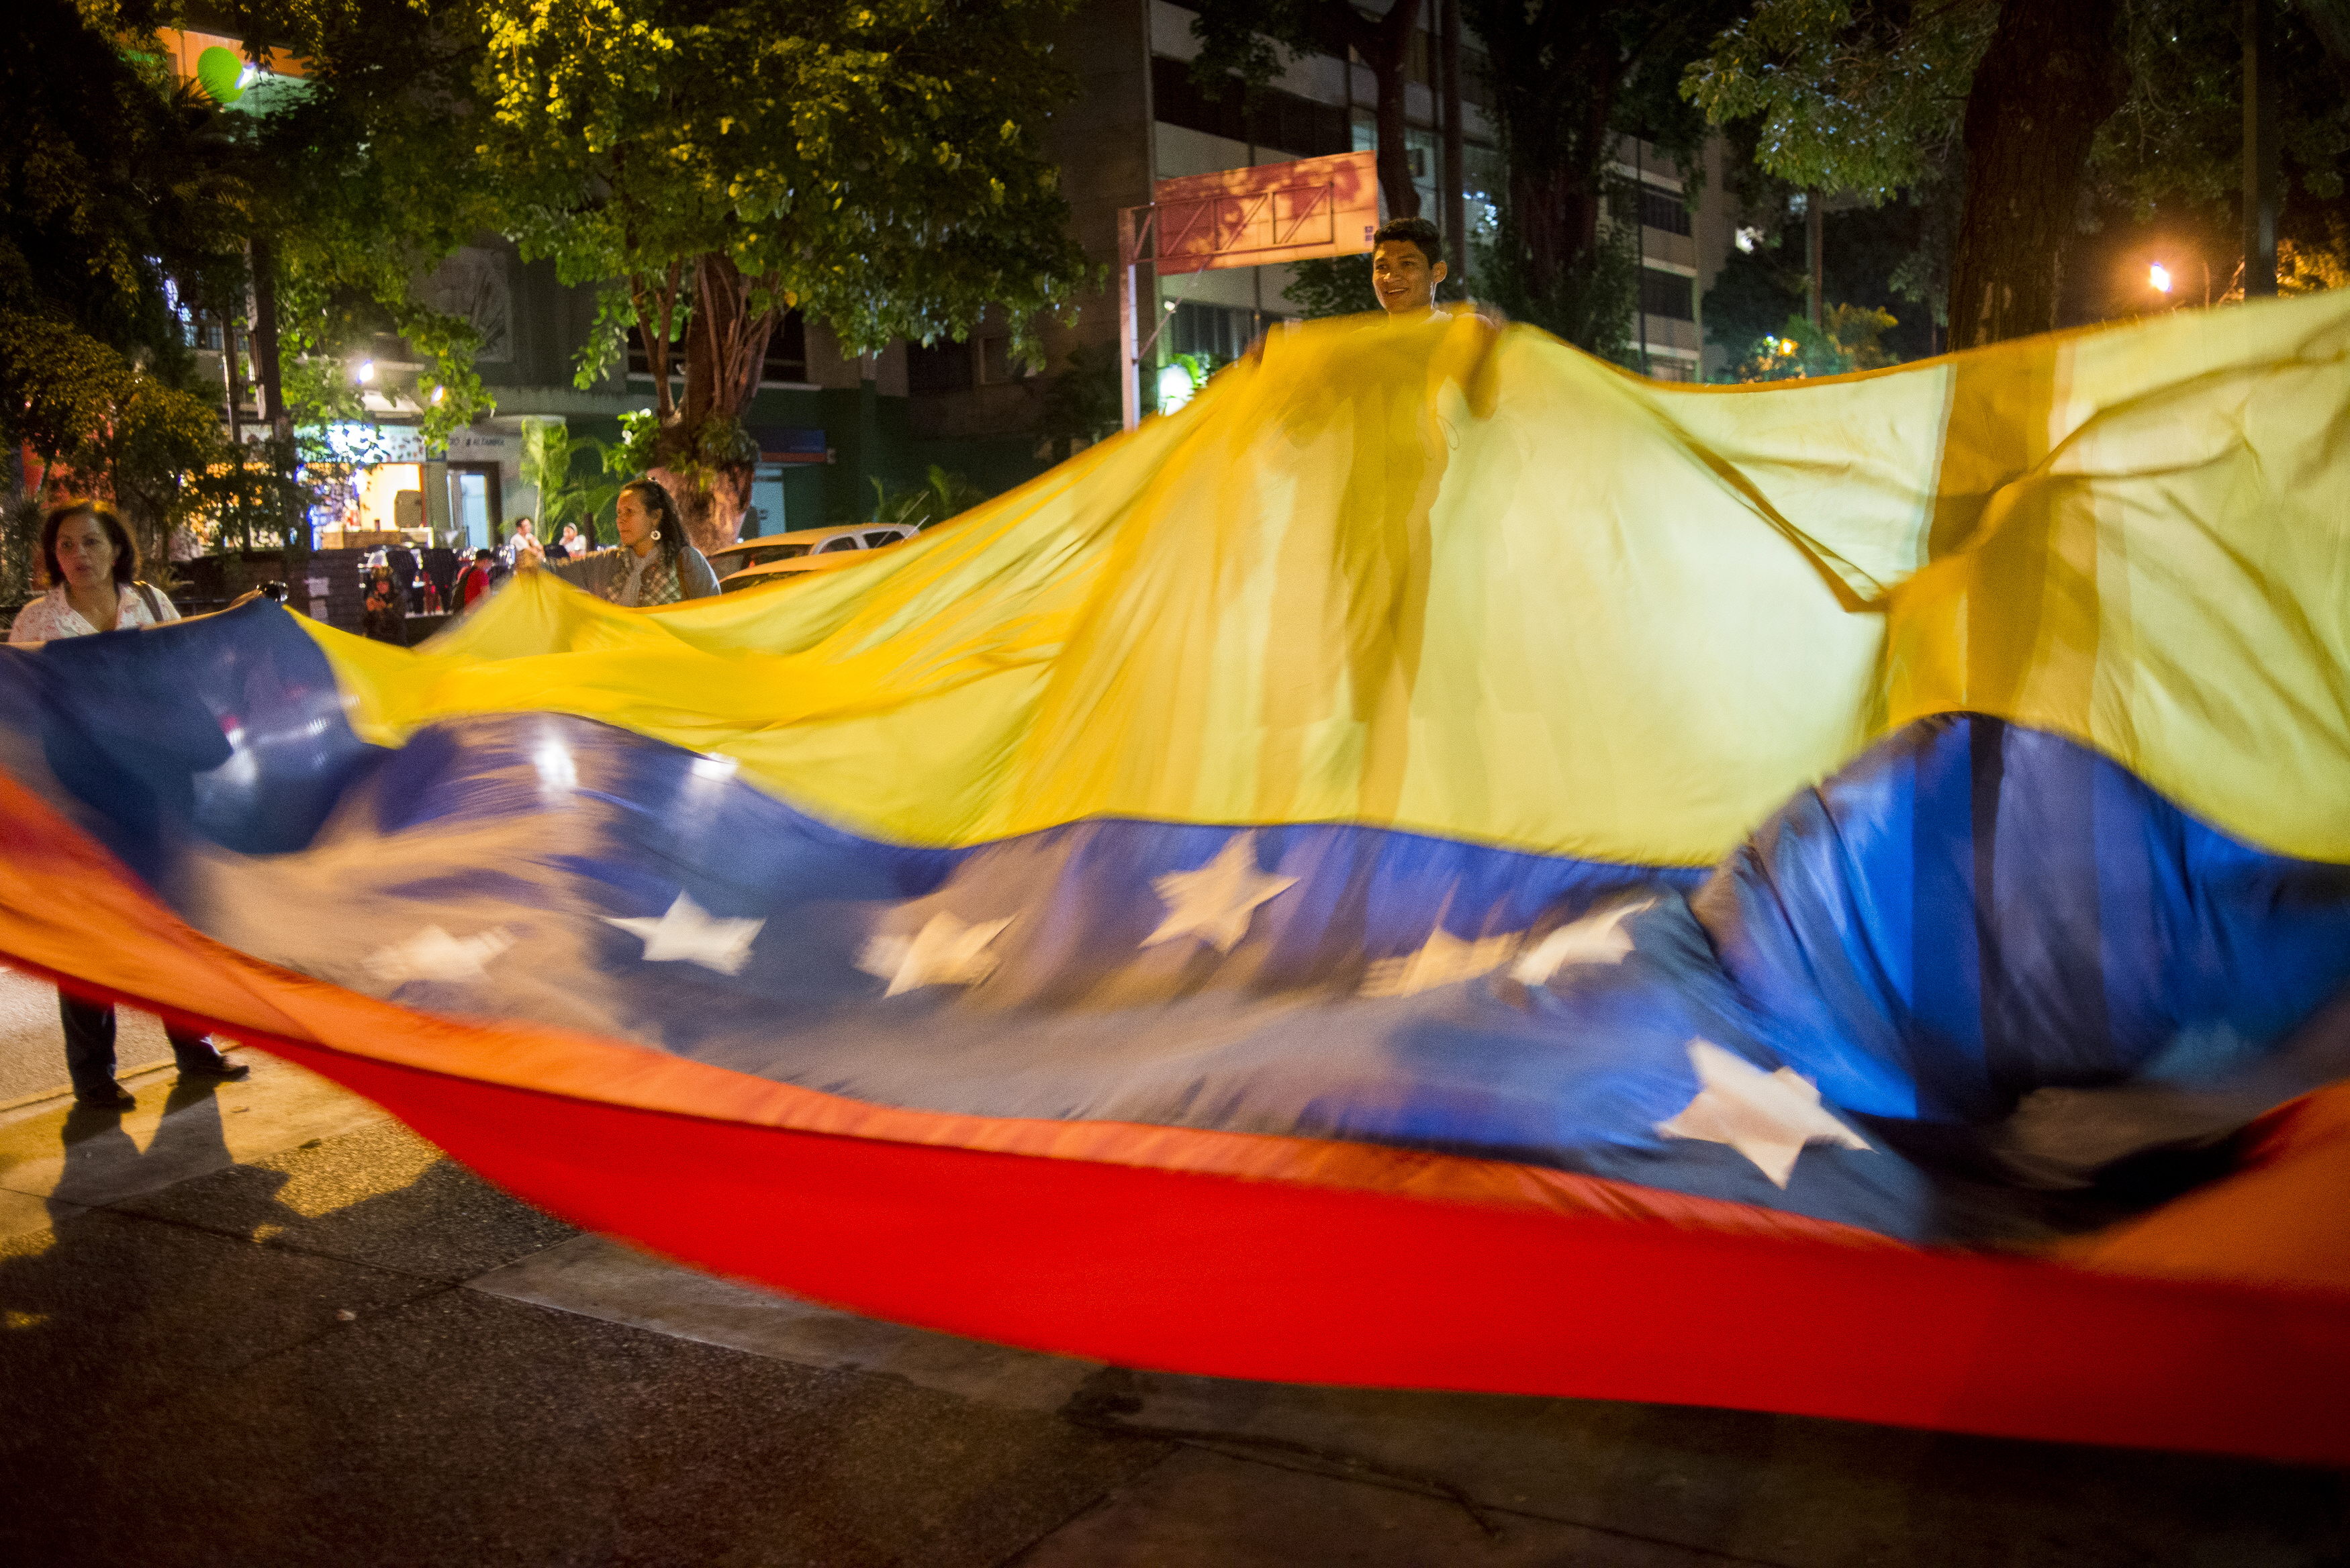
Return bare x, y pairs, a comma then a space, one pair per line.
1407, 264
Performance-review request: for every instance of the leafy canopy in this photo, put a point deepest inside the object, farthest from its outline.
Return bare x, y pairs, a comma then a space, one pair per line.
875, 161
1868, 96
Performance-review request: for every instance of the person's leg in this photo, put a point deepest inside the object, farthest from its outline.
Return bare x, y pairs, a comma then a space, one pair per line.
198, 1057
89, 1046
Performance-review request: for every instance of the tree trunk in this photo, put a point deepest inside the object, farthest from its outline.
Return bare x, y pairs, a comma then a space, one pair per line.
1395, 157
267, 378
702, 456
2051, 75
1386, 48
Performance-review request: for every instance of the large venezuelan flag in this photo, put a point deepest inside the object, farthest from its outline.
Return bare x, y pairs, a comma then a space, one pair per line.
1440, 865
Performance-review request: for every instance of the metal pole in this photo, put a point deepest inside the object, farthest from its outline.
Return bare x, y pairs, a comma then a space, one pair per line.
2261, 163
1129, 389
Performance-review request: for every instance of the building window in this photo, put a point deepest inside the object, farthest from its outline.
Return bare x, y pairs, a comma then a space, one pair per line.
1656, 209
1663, 369
996, 362
786, 360
1267, 118
941, 367
1668, 293
1215, 330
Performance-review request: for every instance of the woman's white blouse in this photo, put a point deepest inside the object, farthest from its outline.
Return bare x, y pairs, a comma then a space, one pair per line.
49, 618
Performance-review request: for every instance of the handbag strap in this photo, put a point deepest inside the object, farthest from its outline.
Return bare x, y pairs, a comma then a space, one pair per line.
154, 611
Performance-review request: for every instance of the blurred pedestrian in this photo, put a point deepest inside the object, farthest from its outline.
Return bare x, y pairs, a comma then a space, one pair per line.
520, 541
383, 614
92, 566
475, 579
568, 547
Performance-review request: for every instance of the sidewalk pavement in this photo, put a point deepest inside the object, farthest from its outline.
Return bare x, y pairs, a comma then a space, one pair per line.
264, 1324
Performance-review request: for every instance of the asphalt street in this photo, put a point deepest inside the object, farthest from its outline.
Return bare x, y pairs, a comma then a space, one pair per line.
264, 1323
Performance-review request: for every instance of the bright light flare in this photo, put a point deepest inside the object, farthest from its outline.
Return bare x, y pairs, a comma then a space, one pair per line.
365, 373
2158, 277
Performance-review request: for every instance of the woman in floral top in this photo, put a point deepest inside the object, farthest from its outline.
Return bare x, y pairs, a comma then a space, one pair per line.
653, 565
94, 570
93, 573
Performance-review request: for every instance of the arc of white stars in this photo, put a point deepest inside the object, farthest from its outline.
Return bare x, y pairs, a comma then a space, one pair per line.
433, 954
1216, 902
947, 951
1769, 1117
1598, 937
688, 933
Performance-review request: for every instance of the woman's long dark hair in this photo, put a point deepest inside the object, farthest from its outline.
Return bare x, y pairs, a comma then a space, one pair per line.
126, 553
667, 523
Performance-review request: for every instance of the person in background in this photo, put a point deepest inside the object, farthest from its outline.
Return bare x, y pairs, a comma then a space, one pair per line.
475, 579
383, 614
568, 547
653, 565
519, 540
406, 572
92, 566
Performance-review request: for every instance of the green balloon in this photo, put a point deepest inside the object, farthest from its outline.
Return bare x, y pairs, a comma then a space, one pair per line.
220, 73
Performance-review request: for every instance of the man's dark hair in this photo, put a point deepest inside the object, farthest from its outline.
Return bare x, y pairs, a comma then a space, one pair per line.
126, 552
1418, 231
483, 556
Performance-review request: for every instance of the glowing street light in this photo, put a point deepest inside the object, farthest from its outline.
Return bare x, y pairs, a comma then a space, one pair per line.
365, 373
2158, 277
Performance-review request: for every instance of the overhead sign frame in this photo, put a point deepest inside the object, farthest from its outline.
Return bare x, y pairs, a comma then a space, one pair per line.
1259, 216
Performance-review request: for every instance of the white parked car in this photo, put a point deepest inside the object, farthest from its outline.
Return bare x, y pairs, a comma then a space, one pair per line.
776, 558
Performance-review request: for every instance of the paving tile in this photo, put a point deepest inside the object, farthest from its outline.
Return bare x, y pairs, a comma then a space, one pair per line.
1783, 1489
181, 1130
464, 1428
33, 1044
602, 1278
105, 1312
380, 1196
1206, 1509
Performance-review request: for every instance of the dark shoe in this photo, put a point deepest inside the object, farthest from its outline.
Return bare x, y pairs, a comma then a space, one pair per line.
111, 1098
220, 1069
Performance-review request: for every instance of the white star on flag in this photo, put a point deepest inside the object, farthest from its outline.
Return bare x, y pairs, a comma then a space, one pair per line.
1444, 960
433, 954
945, 952
688, 933
1216, 902
1597, 937
1769, 1117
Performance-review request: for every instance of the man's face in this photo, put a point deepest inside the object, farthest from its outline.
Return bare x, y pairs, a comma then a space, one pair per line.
1402, 277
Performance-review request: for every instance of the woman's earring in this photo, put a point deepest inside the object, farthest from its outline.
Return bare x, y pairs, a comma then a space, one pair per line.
656, 535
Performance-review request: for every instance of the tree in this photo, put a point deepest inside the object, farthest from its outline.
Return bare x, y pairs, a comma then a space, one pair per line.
552, 461
106, 201
1569, 77
1848, 337
2036, 117
1249, 39
873, 163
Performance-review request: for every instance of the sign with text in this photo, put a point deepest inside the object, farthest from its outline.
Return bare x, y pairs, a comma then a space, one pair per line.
1258, 217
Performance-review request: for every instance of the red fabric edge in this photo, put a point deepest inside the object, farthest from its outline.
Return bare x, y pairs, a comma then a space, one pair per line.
1380, 1268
